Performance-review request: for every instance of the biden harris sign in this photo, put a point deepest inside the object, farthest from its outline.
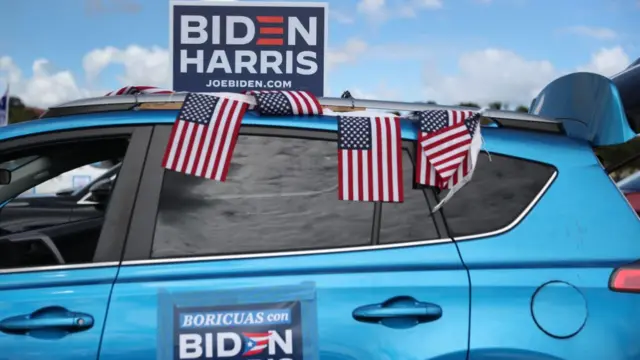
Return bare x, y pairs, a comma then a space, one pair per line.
233, 46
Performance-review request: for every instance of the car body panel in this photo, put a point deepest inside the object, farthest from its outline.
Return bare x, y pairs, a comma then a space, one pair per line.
80, 290
81, 283
343, 282
553, 243
594, 113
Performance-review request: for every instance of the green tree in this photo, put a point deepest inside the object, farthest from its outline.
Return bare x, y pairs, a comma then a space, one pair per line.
522, 108
469, 104
18, 112
496, 105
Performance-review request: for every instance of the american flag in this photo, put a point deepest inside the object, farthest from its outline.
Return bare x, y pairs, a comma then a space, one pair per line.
130, 90
444, 141
255, 343
204, 136
370, 159
286, 103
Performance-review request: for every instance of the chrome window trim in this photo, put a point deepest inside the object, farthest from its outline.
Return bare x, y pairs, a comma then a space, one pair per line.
510, 226
283, 253
58, 267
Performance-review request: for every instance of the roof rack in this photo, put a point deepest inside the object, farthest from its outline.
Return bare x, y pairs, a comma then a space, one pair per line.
507, 119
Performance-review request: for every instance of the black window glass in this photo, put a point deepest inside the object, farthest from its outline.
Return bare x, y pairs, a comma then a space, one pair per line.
280, 195
500, 190
410, 220
45, 222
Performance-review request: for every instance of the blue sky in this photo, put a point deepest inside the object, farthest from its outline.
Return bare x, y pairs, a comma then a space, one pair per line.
447, 50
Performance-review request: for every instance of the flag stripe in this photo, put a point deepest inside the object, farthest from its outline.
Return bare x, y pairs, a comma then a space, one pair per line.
204, 135
230, 141
307, 107
285, 103
214, 161
167, 160
184, 145
370, 155
193, 168
130, 90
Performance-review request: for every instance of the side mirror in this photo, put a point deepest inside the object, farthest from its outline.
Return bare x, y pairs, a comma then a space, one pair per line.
101, 190
5, 177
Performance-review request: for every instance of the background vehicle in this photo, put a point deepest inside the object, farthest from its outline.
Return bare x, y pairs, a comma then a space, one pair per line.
508, 269
630, 187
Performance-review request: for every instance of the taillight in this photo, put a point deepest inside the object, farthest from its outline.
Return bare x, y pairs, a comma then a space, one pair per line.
626, 279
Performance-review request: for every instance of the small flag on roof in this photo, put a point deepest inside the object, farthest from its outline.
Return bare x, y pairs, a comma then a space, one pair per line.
370, 159
444, 140
465, 171
204, 136
131, 90
286, 103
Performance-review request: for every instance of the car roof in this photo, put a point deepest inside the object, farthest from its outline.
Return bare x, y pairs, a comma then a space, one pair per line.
553, 148
134, 117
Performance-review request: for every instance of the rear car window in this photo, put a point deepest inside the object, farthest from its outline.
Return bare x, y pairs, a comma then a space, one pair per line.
501, 189
280, 195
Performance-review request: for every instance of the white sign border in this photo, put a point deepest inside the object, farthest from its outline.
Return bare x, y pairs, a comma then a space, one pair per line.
324, 5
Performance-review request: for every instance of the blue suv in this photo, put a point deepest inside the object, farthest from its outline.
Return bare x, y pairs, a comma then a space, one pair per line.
535, 258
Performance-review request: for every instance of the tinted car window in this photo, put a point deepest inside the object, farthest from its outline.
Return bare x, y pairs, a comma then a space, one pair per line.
500, 190
410, 220
54, 230
280, 195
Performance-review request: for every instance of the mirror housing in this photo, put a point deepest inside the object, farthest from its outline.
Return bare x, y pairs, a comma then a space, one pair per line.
101, 190
5, 177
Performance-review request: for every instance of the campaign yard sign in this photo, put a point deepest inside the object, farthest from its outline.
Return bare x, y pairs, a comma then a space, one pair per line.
237, 46
277, 322
239, 332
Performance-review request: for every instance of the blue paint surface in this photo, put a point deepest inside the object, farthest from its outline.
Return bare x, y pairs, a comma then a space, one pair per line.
85, 291
559, 300
589, 106
343, 282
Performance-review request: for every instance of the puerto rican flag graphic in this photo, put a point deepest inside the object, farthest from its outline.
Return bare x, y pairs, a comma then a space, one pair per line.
255, 343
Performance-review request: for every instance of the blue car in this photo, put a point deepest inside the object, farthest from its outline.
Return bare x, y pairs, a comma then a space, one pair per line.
535, 258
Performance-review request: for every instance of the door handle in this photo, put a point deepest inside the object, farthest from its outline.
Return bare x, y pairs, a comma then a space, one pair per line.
398, 312
53, 318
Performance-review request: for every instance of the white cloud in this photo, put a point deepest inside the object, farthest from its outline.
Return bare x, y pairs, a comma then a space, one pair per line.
502, 75
607, 61
428, 4
45, 86
382, 91
142, 66
482, 76
599, 33
378, 11
348, 53
341, 17
371, 7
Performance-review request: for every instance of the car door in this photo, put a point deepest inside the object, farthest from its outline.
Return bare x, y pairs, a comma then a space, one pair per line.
55, 281
270, 265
